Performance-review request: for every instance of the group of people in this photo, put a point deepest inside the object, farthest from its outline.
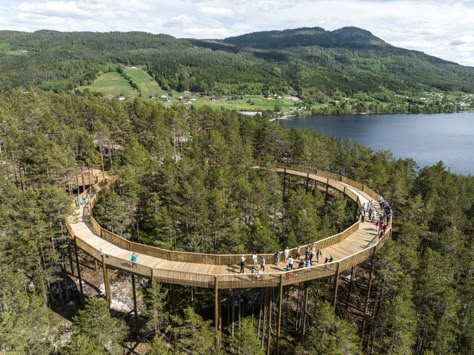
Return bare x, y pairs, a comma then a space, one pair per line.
381, 221
82, 201
380, 218
302, 261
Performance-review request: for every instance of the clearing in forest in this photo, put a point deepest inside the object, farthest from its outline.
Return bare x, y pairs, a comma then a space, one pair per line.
111, 84
146, 84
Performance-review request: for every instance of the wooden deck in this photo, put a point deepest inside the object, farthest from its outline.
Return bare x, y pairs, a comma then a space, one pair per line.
349, 248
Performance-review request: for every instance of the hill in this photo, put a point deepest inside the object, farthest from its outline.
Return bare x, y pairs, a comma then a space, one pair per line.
311, 62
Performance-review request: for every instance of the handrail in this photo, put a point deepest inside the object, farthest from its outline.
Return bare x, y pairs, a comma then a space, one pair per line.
203, 279
209, 258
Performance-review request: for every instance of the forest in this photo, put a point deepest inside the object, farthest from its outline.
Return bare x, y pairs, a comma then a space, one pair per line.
309, 62
186, 182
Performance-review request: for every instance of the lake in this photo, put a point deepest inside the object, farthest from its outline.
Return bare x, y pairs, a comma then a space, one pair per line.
425, 138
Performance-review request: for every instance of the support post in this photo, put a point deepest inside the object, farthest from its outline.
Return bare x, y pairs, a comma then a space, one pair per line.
216, 310
307, 182
351, 283
105, 272
305, 307
269, 326
78, 270
71, 262
284, 182
135, 310
280, 303
82, 177
327, 191
367, 296
335, 286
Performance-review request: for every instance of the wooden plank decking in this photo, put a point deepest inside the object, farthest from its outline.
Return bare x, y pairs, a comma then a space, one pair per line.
352, 247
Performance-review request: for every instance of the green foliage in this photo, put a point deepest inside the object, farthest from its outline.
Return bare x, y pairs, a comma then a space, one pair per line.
94, 328
194, 334
330, 335
245, 341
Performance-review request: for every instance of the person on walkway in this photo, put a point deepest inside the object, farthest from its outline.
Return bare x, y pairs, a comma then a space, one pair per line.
298, 252
311, 256
318, 255
331, 258
242, 264
290, 263
301, 263
277, 257
287, 253
262, 266
254, 258
133, 260
78, 201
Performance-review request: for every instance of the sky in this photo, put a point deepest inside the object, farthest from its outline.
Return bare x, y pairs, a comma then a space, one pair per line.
441, 28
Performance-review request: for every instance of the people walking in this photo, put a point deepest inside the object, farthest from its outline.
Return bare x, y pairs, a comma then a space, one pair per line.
78, 201
133, 260
242, 264
287, 253
262, 265
277, 257
290, 263
254, 258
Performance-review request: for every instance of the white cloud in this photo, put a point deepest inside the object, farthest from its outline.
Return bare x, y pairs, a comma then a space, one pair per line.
440, 28
216, 12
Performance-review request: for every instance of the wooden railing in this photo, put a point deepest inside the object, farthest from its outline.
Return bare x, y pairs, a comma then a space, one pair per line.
233, 279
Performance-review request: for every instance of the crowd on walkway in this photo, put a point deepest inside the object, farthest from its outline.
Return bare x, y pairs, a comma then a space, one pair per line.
380, 217
82, 201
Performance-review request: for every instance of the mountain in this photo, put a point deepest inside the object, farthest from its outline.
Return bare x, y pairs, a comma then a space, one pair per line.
347, 37
307, 61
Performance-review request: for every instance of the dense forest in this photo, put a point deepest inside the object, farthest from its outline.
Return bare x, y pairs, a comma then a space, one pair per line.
309, 62
186, 182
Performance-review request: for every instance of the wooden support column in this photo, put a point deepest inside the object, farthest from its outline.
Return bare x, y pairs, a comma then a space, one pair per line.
351, 283
269, 326
367, 296
78, 270
307, 182
305, 307
216, 311
135, 310
327, 191
284, 182
280, 303
105, 272
71, 262
335, 286
82, 177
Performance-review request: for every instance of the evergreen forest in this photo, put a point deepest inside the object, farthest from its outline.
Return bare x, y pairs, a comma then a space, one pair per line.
186, 181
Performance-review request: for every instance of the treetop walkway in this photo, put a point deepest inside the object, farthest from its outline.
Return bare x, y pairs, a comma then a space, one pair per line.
351, 247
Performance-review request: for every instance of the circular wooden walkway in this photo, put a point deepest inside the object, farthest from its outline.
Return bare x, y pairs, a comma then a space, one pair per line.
349, 248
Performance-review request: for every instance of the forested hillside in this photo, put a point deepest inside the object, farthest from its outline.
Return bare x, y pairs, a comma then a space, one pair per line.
186, 182
309, 61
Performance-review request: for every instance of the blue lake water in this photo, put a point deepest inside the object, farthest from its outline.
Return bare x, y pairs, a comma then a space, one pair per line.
425, 138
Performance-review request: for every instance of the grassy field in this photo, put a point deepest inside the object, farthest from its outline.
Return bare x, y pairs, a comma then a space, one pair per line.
115, 84
247, 103
111, 84
148, 86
